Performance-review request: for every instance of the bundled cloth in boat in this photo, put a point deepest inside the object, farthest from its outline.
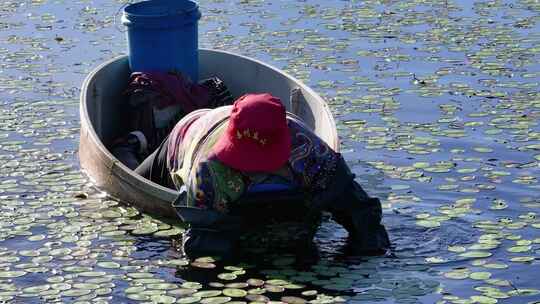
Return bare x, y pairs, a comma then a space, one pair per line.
157, 100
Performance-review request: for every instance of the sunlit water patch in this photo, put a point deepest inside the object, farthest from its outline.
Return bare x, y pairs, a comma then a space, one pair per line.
437, 105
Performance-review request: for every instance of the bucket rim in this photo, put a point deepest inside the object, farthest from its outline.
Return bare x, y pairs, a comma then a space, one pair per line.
136, 10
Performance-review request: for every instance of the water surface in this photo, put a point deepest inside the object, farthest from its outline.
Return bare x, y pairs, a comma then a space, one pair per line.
437, 105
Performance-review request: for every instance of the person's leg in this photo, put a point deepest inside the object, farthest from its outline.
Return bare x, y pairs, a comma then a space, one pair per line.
154, 167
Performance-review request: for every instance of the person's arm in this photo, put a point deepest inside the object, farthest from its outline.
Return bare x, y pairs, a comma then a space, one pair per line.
324, 174
355, 210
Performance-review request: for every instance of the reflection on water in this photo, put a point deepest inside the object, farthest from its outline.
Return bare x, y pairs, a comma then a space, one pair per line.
437, 105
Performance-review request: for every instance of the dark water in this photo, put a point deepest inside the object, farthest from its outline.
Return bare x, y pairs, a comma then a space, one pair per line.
437, 104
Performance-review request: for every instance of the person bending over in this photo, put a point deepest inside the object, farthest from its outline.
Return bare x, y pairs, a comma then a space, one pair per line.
217, 157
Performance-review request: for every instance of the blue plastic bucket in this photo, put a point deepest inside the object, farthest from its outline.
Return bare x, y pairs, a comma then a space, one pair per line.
162, 36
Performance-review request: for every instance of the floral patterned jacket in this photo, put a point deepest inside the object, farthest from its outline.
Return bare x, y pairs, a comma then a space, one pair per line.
213, 186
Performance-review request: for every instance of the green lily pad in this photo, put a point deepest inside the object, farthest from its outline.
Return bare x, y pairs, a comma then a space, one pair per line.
188, 300
310, 293
12, 274
237, 285
92, 273
215, 300
145, 230
482, 275
139, 297
522, 259
207, 293
457, 275
164, 299
192, 285
234, 292
110, 265
277, 282
85, 286
227, 276
182, 292
75, 292
518, 249
483, 300
36, 289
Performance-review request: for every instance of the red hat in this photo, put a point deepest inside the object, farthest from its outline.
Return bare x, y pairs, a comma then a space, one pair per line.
257, 138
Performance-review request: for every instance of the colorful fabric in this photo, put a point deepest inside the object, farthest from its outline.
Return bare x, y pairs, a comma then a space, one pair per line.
214, 186
177, 143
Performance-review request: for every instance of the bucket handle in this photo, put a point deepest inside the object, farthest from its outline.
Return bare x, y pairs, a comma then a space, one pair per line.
128, 2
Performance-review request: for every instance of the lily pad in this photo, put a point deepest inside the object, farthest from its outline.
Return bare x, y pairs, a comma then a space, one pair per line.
234, 292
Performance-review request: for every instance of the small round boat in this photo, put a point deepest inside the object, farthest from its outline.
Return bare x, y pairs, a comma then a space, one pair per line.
103, 119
